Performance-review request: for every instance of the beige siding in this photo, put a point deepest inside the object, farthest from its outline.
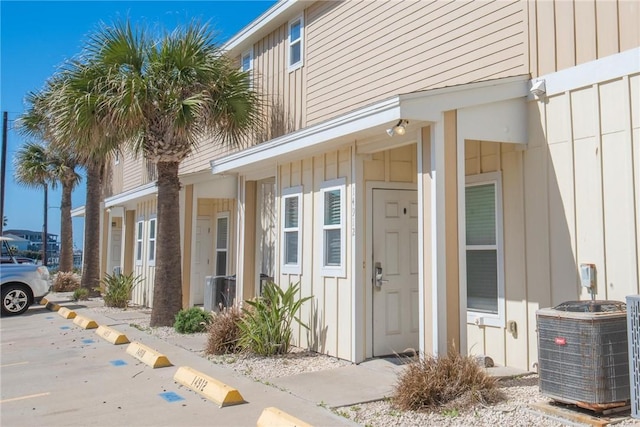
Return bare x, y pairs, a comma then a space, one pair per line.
330, 312
207, 150
361, 52
564, 33
132, 171
283, 89
496, 342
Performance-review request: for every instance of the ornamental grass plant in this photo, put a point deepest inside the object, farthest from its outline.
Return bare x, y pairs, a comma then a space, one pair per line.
118, 289
265, 327
224, 332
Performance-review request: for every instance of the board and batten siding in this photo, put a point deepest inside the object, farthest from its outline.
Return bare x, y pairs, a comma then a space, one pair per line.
563, 34
507, 350
361, 52
143, 292
581, 174
329, 313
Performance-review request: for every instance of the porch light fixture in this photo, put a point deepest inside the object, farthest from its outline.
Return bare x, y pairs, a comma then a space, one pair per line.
398, 129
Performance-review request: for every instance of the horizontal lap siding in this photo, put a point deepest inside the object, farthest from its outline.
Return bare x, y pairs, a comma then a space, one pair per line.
131, 171
564, 33
361, 52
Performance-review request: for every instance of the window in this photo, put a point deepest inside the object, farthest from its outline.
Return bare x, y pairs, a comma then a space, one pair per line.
246, 63
152, 241
292, 230
222, 243
116, 157
484, 252
333, 228
139, 231
296, 29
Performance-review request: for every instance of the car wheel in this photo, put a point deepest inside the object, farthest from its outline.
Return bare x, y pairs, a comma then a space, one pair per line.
15, 300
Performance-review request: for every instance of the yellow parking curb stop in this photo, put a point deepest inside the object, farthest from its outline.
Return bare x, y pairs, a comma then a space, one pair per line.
274, 417
208, 387
85, 322
44, 301
147, 355
52, 306
111, 335
66, 313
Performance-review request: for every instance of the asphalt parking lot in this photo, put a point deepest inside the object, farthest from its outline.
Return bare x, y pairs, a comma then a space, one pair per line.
54, 373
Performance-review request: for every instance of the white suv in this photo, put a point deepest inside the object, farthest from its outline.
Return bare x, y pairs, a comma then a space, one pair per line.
22, 285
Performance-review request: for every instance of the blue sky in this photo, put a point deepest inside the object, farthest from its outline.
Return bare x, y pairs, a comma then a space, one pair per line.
38, 36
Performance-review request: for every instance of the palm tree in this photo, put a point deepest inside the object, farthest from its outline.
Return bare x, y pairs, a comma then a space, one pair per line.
80, 129
168, 94
32, 170
62, 163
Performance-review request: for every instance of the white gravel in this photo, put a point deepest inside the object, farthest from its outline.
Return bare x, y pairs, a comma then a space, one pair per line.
514, 411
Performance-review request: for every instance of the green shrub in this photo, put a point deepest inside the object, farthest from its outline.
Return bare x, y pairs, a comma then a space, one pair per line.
118, 289
66, 282
81, 294
445, 383
192, 320
224, 333
266, 324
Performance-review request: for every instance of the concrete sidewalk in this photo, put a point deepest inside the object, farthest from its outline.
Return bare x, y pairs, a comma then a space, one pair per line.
306, 396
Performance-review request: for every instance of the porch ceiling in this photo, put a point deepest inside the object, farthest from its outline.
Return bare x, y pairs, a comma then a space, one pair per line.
369, 124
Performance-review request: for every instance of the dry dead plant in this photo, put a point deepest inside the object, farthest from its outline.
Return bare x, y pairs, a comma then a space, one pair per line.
224, 332
446, 382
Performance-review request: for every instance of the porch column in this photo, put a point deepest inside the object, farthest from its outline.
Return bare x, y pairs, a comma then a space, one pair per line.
246, 240
187, 236
437, 185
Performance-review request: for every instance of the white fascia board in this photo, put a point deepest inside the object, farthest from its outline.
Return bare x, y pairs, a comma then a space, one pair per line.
423, 106
601, 70
275, 16
304, 139
427, 105
134, 194
77, 212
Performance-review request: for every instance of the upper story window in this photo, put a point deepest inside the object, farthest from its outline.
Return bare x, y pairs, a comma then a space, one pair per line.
139, 241
296, 44
333, 228
152, 241
116, 157
246, 62
484, 248
292, 230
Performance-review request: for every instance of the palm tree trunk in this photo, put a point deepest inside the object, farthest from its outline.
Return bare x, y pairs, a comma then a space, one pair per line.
66, 233
167, 292
91, 256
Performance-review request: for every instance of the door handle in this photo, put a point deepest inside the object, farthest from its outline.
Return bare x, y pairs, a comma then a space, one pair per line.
378, 281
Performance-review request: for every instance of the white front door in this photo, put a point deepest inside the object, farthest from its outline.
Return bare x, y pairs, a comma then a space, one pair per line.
201, 260
395, 270
116, 249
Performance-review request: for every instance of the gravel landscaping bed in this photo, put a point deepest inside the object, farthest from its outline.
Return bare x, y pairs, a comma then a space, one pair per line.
520, 392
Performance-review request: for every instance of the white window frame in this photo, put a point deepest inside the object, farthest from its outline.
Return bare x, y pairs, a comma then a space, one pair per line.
477, 317
291, 43
333, 270
116, 157
225, 249
151, 254
139, 240
291, 193
249, 70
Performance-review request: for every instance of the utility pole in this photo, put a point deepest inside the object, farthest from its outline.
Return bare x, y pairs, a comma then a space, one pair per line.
45, 240
3, 168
